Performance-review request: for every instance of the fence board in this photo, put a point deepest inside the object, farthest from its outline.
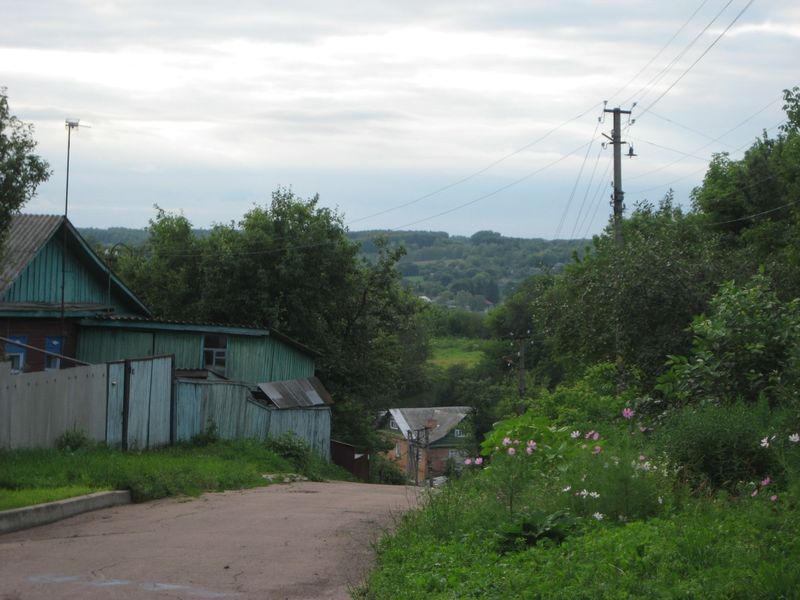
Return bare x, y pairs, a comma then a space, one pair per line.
36, 408
116, 395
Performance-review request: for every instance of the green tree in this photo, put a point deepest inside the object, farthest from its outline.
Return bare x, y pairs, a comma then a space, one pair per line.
21, 171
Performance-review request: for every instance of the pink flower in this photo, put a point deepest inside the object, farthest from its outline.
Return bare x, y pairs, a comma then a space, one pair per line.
468, 461
595, 436
774, 497
642, 458
642, 428
531, 444
479, 461
506, 441
589, 434
628, 412
511, 451
597, 450
765, 481
529, 450
754, 493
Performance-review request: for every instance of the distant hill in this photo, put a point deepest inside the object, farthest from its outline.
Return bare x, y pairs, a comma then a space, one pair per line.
472, 272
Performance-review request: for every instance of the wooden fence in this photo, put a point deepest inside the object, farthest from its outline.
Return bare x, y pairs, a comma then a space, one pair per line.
127, 404
228, 405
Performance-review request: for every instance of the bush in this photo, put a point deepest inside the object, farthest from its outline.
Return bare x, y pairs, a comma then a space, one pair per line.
209, 436
74, 439
383, 470
718, 447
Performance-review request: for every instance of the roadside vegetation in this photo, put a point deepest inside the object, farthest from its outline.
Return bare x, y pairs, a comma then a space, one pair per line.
637, 417
32, 476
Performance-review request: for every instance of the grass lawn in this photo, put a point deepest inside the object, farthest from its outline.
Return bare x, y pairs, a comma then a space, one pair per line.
449, 351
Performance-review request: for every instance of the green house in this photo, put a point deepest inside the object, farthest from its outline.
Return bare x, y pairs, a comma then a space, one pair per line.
60, 305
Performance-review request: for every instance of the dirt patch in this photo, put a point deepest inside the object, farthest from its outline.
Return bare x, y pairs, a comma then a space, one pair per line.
301, 540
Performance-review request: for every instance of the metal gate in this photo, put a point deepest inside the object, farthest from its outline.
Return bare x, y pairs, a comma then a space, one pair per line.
140, 404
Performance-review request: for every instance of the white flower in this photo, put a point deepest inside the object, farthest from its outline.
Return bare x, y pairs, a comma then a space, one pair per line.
795, 437
594, 494
765, 442
575, 434
566, 489
599, 516
660, 500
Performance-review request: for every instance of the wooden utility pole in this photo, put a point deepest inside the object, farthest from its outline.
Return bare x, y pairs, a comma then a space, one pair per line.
619, 206
619, 195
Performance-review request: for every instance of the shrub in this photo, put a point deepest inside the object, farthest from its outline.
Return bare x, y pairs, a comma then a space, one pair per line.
718, 446
207, 437
74, 439
383, 470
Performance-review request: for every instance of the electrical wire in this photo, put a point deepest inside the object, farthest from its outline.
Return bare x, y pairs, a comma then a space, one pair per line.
577, 181
698, 59
586, 195
660, 52
664, 70
495, 192
478, 172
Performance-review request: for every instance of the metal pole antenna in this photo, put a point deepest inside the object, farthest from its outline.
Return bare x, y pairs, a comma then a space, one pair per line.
71, 124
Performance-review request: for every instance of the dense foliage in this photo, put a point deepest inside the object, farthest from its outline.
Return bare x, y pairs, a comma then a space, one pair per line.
21, 171
651, 439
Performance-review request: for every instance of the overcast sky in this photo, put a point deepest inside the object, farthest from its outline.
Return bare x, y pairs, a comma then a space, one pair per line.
207, 107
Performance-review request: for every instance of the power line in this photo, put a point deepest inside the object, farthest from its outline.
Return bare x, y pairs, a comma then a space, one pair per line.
577, 181
597, 199
495, 192
698, 59
586, 194
704, 146
664, 70
660, 52
476, 173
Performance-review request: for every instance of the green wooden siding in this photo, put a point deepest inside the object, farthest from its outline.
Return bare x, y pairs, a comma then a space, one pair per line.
260, 359
97, 345
40, 281
252, 359
187, 348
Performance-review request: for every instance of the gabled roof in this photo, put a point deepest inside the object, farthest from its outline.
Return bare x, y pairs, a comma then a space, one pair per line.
440, 420
29, 234
295, 393
26, 236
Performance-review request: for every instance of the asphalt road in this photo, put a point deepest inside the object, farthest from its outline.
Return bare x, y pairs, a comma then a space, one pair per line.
301, 540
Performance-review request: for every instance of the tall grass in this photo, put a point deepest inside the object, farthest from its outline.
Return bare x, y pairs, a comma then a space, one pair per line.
178, 470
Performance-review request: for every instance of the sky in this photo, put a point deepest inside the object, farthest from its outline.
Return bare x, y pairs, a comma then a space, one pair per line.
443, 115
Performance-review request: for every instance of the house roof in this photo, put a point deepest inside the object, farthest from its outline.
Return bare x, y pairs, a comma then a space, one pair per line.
28, 234
296, 393
440, 420
147, 324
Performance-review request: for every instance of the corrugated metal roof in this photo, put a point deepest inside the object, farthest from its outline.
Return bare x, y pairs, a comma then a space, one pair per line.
295, 393
26, 236
440, 420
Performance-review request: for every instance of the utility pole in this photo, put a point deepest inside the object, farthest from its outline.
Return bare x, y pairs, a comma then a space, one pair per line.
619, 207
616, 141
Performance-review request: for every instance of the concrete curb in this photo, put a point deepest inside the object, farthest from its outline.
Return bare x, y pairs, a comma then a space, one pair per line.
40, 514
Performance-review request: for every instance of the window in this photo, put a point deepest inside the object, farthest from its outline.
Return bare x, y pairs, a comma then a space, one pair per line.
393, 424
215, 349
397, 452
53, 344
459, 433
16, 354
455, 454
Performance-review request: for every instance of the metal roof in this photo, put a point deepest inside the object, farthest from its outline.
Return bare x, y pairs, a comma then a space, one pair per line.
26, 236
294, 393
440, 420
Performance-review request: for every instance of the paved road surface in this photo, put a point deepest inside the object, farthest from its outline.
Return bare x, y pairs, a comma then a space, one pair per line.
302, 540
